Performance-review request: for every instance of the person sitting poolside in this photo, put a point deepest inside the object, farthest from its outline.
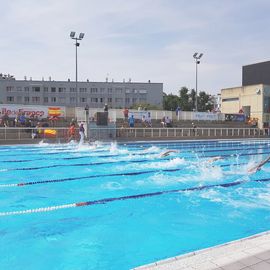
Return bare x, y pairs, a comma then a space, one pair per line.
167, 153
259, 166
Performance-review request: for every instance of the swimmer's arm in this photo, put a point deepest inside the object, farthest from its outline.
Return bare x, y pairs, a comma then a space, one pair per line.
259, 166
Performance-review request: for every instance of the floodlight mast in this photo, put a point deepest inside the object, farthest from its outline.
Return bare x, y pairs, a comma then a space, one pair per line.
77, 44
197, 61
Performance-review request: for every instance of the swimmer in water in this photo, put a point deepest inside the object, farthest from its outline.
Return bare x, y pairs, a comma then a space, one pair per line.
211, 160
167, 153
259, 166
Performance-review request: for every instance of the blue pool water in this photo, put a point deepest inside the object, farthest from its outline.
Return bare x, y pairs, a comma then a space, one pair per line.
140, 207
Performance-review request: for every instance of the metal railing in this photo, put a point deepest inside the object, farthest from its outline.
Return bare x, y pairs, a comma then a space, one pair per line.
100, 133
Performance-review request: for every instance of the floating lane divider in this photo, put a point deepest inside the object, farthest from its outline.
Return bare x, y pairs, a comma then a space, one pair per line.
84, 177
101, 175
123, 198
83, 164
122, 161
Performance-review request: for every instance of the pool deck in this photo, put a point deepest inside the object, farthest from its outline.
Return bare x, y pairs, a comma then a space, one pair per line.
252, 253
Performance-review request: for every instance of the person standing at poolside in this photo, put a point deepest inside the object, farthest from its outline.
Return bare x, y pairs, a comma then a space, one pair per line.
81, 132
71, 132
131, 121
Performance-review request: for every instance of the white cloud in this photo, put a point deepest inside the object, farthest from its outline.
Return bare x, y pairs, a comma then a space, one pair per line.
142, 40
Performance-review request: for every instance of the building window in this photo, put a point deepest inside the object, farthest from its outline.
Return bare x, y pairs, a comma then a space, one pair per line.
73, 100
230, 99
83, 90
83, 100
118, 100
109, 100
26, 89
102, 90
36, 89
26, 99
93, 90
101, 100
72, 90
143, 91
61, 89
53, 89
118, 90
10, 88
10, 99
109, 90
53, 99
35, 99
46, 89
127, 100
94, 99
46, 99
62, 100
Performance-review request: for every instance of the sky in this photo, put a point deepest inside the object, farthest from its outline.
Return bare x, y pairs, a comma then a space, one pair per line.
142, 40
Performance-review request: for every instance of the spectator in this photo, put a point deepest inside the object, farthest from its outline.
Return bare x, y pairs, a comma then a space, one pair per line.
177, 110
168, 122
194, 129
22, 119
131, 121
125, 112
5, 120
106, 108
144, 120
148, 119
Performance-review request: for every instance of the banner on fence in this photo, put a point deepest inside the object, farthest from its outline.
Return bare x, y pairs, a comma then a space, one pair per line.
236, 117
205, 116
12, 110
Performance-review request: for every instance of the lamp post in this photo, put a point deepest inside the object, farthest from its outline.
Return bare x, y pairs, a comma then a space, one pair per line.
197, 58
77, 44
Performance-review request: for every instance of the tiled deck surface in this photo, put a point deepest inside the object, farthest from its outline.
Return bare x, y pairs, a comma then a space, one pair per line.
251, 253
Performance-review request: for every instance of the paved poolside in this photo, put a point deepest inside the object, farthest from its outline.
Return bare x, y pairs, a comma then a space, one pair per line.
252, 253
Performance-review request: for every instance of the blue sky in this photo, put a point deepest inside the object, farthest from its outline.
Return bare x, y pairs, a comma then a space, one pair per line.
142, 40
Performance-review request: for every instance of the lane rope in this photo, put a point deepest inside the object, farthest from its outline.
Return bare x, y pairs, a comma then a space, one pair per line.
128, 197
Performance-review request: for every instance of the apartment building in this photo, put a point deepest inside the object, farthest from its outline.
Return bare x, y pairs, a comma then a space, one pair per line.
65, 93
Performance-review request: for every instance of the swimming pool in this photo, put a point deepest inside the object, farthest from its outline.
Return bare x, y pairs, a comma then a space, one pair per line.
108, 206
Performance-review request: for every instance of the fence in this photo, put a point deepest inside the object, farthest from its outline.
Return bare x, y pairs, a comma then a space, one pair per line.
97, 133
155, 114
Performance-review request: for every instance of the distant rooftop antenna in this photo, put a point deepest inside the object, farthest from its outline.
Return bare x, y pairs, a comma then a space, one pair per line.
124, 80
50, 78
107, 79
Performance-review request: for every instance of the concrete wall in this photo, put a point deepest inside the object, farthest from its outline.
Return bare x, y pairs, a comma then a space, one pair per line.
233, 99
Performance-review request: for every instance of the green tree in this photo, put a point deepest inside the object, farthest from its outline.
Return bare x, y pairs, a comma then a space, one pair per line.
184, 99
170, 102
204, 102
